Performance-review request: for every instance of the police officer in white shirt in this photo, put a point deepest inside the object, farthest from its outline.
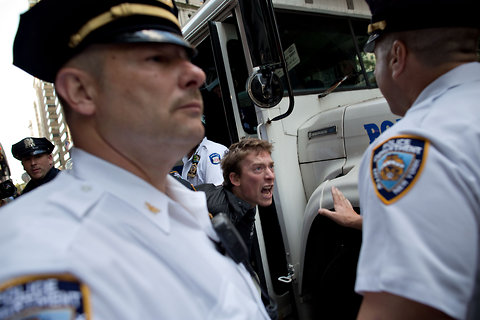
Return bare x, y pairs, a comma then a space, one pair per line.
419, 181
202, 164
116, 237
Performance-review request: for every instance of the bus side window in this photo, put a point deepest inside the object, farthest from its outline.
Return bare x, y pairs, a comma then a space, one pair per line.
216, 128
327, 49
365, 59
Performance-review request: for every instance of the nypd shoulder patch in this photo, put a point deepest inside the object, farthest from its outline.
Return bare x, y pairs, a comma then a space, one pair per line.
215, 158
396, 165
46, 297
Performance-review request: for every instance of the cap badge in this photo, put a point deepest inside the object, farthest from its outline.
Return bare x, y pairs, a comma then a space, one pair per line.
380, 25
29, 143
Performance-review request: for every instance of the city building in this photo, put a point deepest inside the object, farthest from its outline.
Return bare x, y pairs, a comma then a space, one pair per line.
50, 121
187, 8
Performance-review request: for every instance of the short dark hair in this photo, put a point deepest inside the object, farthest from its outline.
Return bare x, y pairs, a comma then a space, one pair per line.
237, 152
435, 46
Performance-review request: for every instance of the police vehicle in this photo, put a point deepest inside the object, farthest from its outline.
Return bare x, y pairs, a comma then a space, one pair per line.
293, 72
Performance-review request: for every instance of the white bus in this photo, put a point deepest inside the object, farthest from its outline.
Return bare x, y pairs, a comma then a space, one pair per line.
319, 119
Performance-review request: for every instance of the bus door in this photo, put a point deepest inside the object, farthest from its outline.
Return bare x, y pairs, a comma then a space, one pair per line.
230, 115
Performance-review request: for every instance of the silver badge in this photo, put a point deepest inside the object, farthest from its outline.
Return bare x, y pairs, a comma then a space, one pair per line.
29, 143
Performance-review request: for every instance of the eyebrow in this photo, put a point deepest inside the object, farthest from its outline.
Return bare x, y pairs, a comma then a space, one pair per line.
261, 163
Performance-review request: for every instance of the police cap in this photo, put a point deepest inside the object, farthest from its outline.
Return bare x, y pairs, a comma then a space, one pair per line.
406, 15
31, 146
53, 31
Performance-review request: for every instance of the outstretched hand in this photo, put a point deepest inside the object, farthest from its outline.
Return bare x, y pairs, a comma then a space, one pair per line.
344, 214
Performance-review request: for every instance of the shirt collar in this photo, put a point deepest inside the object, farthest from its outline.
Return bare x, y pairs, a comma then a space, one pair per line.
464, 73
138, 193
186, 158
241, 206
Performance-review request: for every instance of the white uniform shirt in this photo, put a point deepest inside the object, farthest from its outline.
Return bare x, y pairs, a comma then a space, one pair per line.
141, 254
209, 169
419, 186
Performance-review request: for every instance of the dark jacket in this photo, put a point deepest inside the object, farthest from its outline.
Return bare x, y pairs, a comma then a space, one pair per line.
32, 184
240, 212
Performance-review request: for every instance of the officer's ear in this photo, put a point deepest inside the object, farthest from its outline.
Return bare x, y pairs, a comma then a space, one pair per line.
397, 58
75, 86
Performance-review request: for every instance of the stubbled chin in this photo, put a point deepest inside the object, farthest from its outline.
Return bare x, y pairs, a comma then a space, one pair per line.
266, 200
265, 203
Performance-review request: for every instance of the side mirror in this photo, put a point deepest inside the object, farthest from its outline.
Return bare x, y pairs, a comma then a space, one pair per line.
265, 88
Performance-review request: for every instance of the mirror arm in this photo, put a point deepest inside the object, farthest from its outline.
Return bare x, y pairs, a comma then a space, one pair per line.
290, 105
273, 23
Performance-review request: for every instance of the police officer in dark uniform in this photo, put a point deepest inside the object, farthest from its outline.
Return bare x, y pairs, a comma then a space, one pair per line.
36, 157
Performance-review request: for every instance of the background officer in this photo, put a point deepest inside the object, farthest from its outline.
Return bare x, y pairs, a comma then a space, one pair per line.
202, 163
36, 157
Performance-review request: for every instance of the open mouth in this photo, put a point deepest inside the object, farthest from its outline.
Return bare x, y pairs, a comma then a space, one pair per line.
267, 190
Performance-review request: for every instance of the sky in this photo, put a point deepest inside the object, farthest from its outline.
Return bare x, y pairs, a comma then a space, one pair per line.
16, 87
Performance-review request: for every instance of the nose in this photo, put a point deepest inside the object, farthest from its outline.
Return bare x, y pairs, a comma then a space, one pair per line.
193, 76
269, 174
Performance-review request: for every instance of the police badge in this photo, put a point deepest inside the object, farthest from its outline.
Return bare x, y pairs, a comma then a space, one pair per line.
46, 297
215, 158
396, 165
193, 169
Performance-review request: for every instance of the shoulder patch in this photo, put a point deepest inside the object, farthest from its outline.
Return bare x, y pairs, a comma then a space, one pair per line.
396, 165
45, 297
215, 158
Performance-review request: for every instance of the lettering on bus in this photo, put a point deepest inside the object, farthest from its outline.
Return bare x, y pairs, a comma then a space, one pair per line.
374, 131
